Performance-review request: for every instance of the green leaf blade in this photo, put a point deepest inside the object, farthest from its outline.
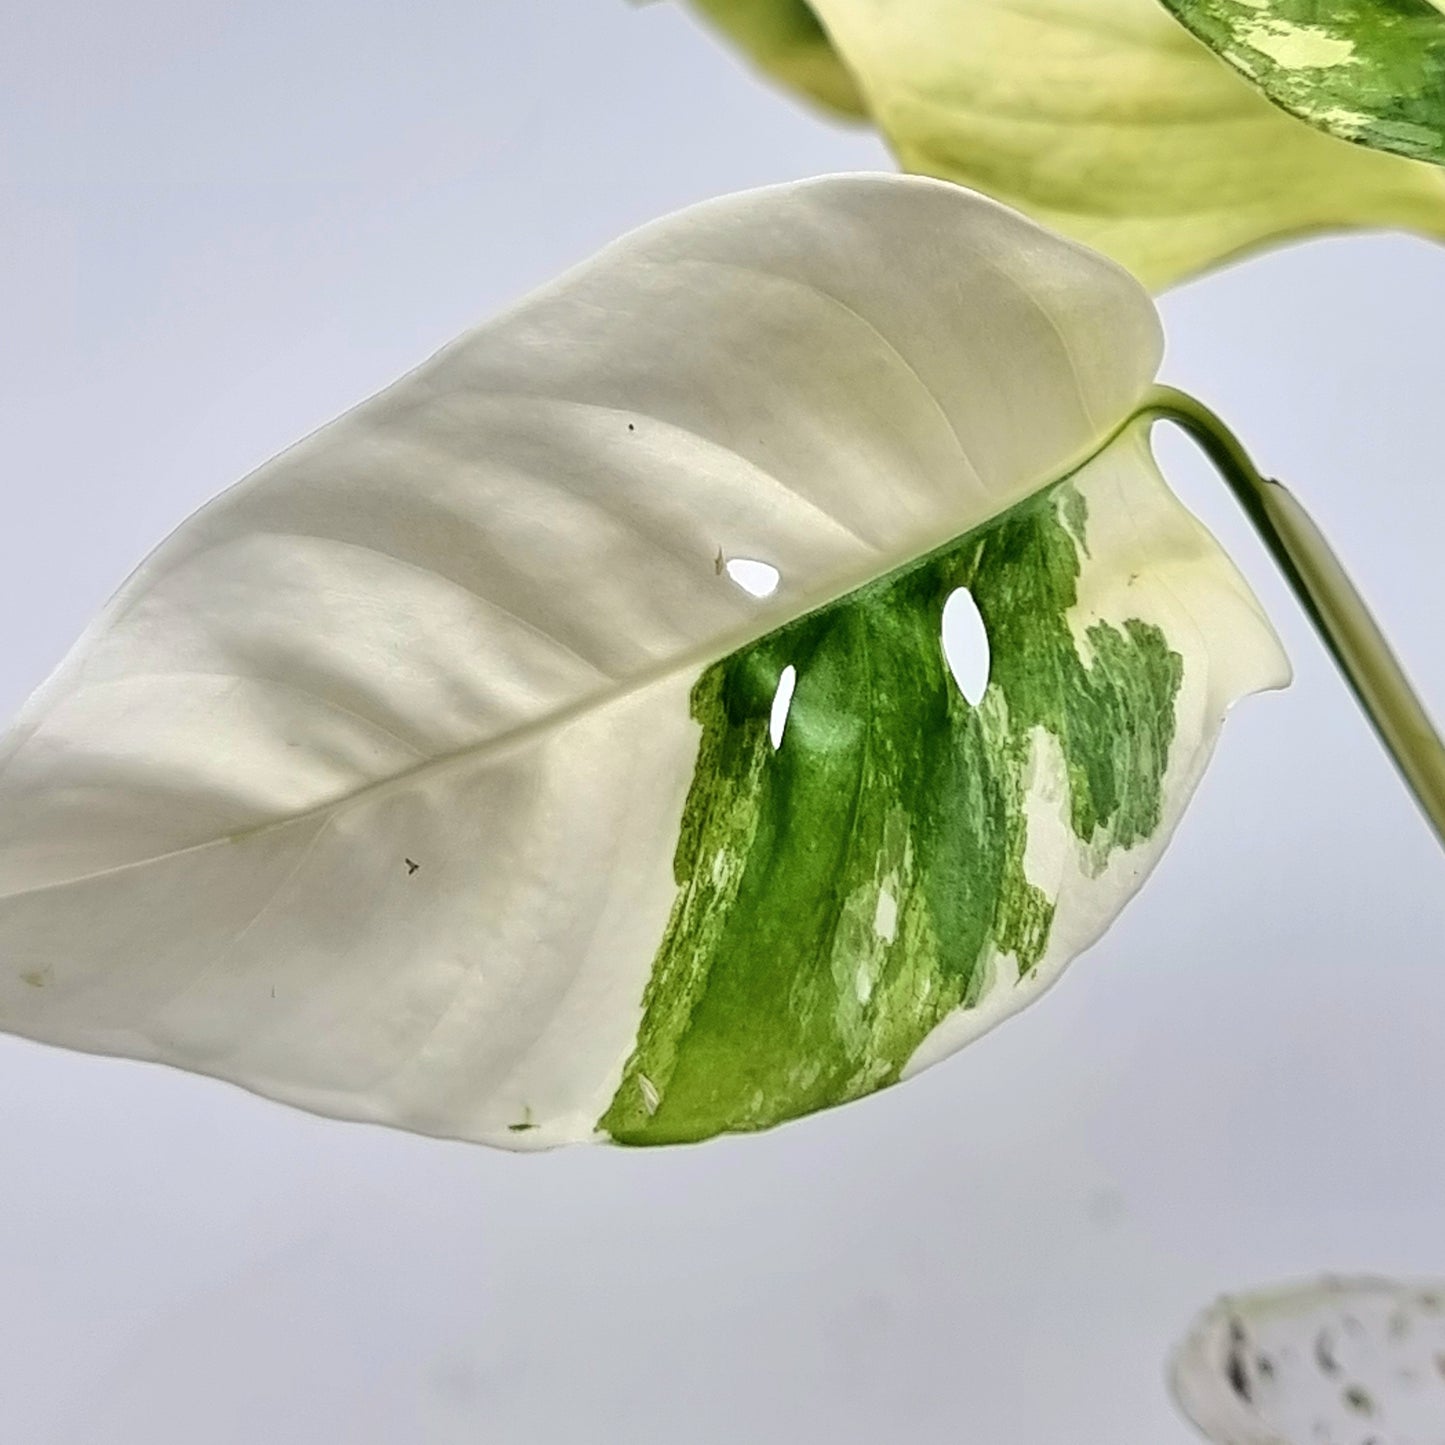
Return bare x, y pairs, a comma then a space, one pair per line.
906, 870
845, 892
1367, 71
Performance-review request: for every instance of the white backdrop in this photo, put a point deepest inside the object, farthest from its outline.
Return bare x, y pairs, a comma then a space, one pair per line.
219, 226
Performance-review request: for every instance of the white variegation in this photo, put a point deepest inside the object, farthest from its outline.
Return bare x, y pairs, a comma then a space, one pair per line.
364, 790
1347, 1359
1108, 121
1149, 559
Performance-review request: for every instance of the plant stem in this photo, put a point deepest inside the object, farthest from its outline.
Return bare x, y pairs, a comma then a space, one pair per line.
1329, 599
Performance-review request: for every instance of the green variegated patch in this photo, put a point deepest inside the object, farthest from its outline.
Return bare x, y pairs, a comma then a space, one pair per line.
1371, 71
843, 892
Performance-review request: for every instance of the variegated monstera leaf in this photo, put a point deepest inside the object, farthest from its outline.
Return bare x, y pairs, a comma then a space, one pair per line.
1371, 71
438, 773
1104, 119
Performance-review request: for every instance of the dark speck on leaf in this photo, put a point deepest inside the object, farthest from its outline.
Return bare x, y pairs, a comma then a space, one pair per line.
630, 427
1238, 1379
1358, 1399
411, 866
520, 1128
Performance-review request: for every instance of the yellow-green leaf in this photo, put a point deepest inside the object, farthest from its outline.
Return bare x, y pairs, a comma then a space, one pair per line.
1107, 120
1371, 71
786, 40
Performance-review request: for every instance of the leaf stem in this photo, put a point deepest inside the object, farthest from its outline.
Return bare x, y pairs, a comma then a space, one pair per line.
1329, 599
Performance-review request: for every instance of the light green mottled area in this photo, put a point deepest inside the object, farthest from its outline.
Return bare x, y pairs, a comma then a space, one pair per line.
840, 895
787, 41
1371, 71
1108, 121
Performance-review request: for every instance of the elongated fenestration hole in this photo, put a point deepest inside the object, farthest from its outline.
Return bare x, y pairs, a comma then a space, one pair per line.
758, 579
782, 701
965, 645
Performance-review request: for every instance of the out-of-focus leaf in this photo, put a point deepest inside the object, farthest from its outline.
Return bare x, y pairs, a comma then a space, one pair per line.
1329, 1359
786, 40
1108, 121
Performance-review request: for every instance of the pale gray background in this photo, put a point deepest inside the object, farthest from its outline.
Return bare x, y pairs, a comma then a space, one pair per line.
222, 224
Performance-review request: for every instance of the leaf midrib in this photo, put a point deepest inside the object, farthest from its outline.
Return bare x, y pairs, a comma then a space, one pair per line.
695, 659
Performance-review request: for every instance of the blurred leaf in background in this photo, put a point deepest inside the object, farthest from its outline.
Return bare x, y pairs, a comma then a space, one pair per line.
1370, 71
1104, 119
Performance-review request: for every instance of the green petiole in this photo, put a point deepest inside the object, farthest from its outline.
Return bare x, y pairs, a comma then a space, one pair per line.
1328, 597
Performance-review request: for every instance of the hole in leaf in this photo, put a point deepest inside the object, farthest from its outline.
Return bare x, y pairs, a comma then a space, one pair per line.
757, 579
965, 645
782, 701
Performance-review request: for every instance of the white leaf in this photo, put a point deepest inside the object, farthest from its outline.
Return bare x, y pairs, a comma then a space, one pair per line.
365, 790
